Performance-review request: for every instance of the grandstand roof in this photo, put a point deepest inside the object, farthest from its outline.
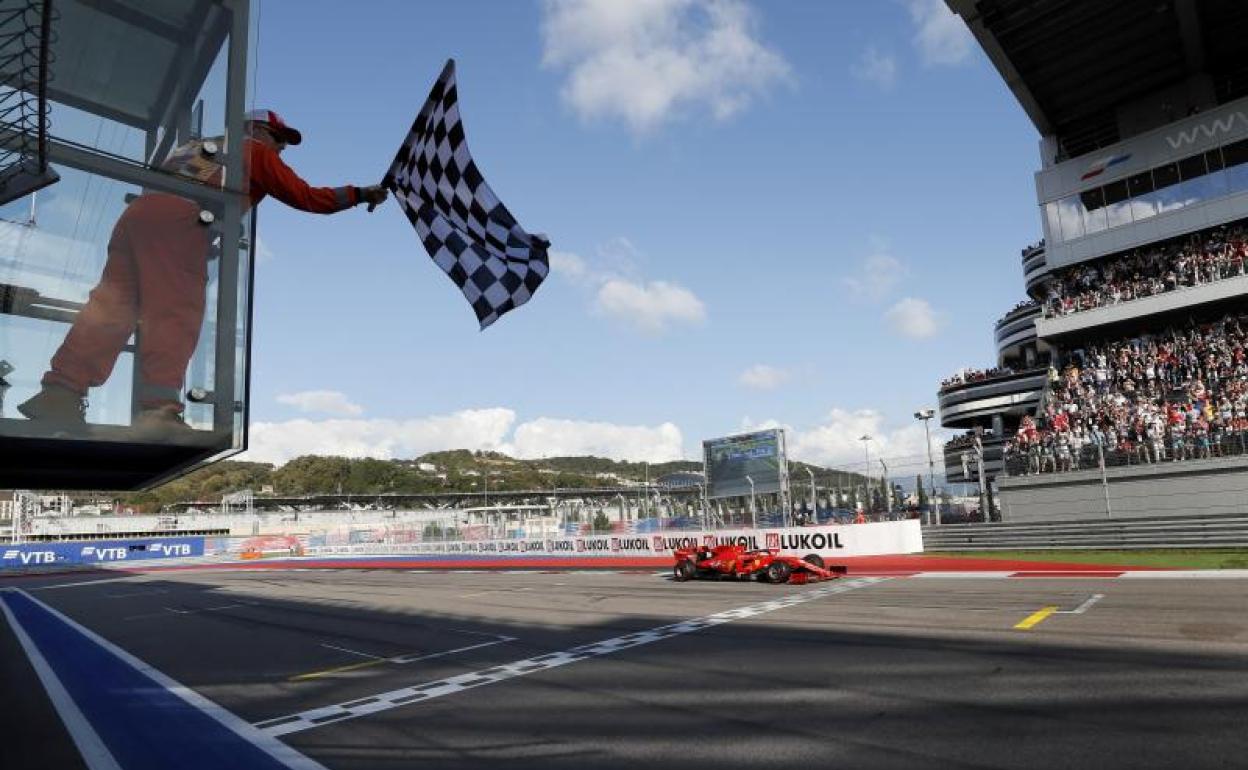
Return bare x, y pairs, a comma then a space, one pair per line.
1074, 64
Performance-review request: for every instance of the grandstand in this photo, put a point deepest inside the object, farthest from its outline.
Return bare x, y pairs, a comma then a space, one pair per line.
1122, 377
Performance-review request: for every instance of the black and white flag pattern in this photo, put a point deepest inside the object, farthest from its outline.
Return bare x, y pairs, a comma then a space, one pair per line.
467, 231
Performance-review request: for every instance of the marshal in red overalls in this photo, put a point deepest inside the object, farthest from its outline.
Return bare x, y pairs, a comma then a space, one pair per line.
155, 280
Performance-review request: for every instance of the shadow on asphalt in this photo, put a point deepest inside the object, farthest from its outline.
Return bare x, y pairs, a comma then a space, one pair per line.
757, 693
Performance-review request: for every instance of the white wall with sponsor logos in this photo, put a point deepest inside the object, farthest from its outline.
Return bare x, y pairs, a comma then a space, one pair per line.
893, 537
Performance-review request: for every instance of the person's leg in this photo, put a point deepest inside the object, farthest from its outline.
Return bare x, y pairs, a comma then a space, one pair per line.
171, 259
87, 355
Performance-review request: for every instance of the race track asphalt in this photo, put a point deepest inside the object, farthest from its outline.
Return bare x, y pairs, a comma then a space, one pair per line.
882, 673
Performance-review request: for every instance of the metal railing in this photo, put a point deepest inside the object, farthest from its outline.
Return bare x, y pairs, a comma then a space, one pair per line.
1225, 530
1056, 460
26, 38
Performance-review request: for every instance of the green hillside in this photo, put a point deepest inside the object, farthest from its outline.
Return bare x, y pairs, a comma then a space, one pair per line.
458, 470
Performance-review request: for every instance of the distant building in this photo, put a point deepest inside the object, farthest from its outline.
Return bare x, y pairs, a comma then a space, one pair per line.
680, 480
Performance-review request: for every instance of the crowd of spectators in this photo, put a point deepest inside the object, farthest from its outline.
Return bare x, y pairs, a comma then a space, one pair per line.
1178, 395
1201, 258
965, 440
974, 375
1027, 303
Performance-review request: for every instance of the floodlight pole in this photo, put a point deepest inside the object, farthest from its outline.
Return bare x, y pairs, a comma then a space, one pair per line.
706, 521
814, 499
753, 509
866, 484
933, 513
888, 489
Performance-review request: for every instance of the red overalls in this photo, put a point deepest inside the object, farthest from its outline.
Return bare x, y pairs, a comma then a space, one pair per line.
155, 280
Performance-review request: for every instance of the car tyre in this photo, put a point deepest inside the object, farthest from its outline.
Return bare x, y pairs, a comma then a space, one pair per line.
814, 560
778, 572
684, 570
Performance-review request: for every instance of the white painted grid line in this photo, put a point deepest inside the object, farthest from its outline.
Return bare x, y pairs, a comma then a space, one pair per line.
413, 658
265, 742
1082, 608
351, 652
324, 715
93, 751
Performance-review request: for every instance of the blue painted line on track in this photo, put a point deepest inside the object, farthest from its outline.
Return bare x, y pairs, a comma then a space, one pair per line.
143, 724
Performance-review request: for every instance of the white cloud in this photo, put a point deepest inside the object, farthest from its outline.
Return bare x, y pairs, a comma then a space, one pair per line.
880, 273
914, 318
763, 377
475, 429
321, 402
940, 35
650, 307
567, 264
643, 61
877, 68
555, 437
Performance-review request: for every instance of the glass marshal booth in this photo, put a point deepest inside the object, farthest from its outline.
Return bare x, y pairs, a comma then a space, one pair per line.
100, 100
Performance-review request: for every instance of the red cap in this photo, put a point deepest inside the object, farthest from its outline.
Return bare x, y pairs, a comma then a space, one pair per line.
278, 126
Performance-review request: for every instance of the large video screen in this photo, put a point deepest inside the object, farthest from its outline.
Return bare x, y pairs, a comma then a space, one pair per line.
729, 460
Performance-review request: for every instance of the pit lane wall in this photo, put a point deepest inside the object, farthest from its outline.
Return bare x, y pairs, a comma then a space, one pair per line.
97, 552
877, 539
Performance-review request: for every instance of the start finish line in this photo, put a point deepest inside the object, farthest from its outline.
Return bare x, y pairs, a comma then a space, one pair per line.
878, 539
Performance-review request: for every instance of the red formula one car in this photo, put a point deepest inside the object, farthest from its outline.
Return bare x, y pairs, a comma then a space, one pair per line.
735, 562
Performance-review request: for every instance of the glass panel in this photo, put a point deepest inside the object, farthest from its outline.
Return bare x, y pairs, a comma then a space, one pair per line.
1054, 222
1140, 184
100, 278
1164, 176
1143, 205
1071, 213
1235, 154
1192, 167
1237, 178
1093, 202
1236, 158
51, 254
1214, 185
1169, 194
120, 69
110, 291
1213, 159
1117, 207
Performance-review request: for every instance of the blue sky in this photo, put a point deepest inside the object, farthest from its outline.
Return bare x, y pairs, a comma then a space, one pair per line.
802, 213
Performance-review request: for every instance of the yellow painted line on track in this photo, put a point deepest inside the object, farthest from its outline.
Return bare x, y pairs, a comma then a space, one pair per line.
338, 670
1035, 618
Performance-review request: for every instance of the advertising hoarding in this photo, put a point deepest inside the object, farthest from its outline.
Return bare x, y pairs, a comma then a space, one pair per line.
830, 542
98, 551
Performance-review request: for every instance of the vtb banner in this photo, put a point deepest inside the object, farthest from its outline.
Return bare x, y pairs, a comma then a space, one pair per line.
98, 551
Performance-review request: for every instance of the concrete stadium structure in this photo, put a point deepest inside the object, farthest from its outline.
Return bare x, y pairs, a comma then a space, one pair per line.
1142, 110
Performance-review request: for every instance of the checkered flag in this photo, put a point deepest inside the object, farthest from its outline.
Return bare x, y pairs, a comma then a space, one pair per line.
465, 228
